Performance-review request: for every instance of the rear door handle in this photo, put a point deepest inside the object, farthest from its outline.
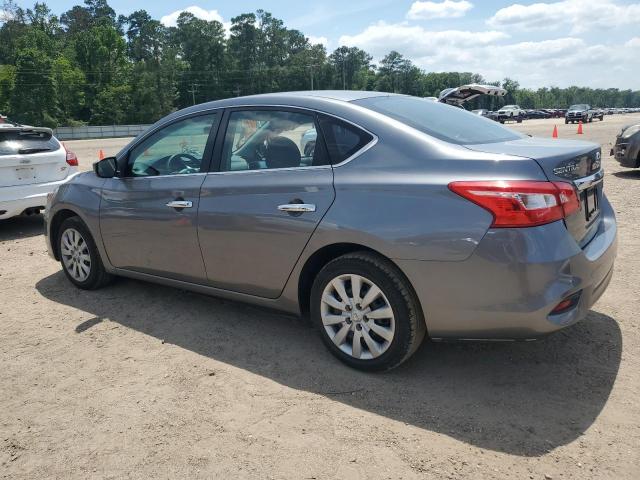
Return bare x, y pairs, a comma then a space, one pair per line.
297, 207
180, 204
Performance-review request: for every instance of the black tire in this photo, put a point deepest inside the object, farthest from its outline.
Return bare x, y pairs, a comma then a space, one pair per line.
98, 276
410, 327
566, 121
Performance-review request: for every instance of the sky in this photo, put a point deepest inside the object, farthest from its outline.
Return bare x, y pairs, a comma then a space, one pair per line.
593, 43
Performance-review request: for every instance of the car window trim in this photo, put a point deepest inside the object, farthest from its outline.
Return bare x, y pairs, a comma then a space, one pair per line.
123, 160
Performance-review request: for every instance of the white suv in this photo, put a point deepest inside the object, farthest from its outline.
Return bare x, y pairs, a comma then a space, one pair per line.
32, 164
511, 112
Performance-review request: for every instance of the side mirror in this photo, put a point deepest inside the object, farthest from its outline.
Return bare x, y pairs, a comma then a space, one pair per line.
106, 168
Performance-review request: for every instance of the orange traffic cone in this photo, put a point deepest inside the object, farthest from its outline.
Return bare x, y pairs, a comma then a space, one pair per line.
580, 127
100, 155
555, 132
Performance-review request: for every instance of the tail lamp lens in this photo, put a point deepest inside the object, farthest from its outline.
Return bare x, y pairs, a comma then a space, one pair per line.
72, 159
517, 203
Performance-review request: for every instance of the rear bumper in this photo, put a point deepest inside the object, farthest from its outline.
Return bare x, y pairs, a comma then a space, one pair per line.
15, 200
515, 278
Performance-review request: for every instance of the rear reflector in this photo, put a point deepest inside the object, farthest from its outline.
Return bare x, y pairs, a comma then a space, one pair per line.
566, 304
518, 203
72, 160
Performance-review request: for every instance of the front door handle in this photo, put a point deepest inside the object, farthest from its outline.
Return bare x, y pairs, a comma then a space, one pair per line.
297, 208
180, 204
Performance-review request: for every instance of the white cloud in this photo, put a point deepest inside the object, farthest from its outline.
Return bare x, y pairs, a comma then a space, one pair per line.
171, 20
414, 41
579, 15
447, 9
633, 43
5, 16
313, 40
556, 62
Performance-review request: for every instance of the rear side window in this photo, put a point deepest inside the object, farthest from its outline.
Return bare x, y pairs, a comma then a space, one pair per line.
26, 142
445, 122
343, 139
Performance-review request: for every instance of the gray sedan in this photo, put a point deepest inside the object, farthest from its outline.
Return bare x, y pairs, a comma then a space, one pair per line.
403, 218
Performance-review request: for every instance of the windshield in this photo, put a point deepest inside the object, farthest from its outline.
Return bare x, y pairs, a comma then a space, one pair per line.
579, 107
451, 124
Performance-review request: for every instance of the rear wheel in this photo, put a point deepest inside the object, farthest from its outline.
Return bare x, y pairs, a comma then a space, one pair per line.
79, 256
366, 312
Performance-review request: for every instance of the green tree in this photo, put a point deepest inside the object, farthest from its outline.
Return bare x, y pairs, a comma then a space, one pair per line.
33, 97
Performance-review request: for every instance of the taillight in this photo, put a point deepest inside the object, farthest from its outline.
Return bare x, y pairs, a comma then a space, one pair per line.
518, 203
72, 160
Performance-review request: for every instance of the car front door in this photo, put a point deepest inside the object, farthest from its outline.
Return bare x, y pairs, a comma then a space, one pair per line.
259, 209
148, 215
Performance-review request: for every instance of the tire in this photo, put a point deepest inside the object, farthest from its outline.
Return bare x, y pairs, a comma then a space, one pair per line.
404, 329
566, 121
91, 276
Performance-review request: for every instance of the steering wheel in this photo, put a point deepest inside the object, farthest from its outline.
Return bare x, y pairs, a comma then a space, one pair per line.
182, 161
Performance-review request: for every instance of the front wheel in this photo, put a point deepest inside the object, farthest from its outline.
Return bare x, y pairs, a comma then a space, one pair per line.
366, 312
79, 256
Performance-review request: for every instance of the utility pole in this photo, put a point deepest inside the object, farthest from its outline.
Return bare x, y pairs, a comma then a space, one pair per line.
237, 90
194, 89
310, 67
344, 77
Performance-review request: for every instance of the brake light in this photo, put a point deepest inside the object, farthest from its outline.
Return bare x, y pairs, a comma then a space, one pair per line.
518, 203
72, 160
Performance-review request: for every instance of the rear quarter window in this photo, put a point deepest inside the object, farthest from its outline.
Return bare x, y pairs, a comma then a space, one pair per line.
343, 139
25, 143
444, 122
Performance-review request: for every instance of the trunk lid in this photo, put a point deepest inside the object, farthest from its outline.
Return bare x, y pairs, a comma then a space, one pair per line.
30, 155
571, 161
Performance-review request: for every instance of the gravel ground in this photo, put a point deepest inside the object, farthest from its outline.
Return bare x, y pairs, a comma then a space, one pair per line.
139, 381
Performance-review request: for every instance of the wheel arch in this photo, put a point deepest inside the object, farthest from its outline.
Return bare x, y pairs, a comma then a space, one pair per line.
54, 230
326, 254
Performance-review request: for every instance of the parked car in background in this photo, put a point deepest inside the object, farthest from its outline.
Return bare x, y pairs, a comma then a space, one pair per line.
581, 112
553, 112
387, 231
627, 147
33, 163
511, 112
483, 112
457, 96
531, 114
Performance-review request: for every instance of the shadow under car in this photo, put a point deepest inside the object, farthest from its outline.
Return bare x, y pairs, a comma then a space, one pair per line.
522, 398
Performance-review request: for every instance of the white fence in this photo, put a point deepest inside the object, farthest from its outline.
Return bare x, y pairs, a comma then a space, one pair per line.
103, 131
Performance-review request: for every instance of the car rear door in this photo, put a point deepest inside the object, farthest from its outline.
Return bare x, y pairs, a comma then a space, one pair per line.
148, 215
30, 156
259, 209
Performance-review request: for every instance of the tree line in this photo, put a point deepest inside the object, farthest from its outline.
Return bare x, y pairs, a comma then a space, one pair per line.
91, 66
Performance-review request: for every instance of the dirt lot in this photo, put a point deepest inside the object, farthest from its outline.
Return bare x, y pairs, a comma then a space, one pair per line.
141, 381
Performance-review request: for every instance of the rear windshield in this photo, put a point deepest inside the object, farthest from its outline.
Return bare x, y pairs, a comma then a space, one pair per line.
24, 143
451, 124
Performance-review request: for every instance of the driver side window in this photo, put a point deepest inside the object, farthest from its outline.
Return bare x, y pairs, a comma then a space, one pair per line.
177, 149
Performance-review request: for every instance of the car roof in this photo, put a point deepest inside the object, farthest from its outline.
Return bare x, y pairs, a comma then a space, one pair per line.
310, 98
